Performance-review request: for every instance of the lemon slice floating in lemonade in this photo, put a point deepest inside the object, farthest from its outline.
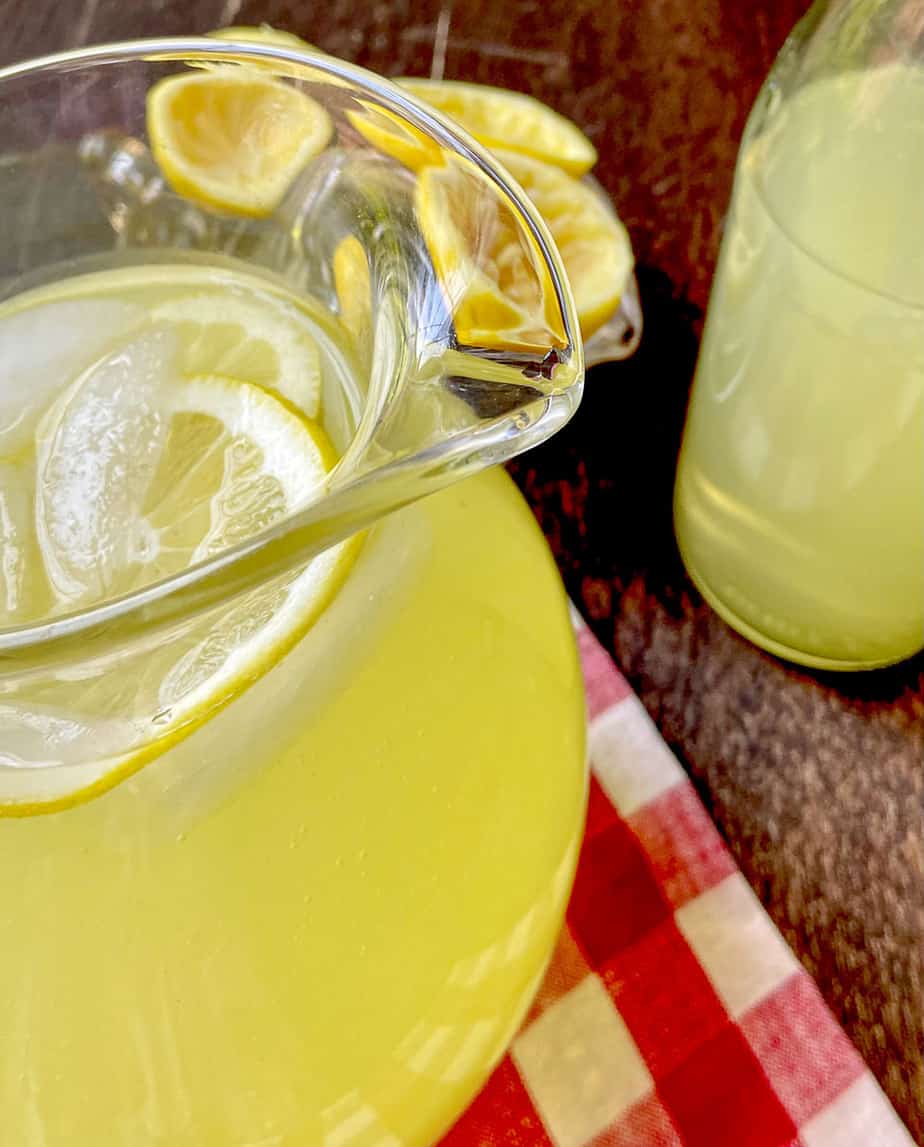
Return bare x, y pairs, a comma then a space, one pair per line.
227, 334
232, 137
140, 473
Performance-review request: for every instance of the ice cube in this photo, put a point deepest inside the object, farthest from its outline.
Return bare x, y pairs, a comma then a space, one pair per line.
44, 736
24, 590
98, 450
43, 349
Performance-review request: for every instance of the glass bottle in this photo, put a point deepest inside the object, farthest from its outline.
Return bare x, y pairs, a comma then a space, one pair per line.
799, 503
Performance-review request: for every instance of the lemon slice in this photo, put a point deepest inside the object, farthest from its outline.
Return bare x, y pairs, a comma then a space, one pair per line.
490, 269
233, 138
492, 278
234, 461
140, 474
388, 133
274, 37
517, 122
223, 333
594, 245
129, 453
353, 287
262, 34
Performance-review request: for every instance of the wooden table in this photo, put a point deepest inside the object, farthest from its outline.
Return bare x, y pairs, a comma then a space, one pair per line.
815, 780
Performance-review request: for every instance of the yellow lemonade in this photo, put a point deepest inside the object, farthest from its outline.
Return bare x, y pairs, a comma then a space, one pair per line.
800, 492
317, 919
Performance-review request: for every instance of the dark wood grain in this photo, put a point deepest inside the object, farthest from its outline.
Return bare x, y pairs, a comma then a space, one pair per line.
815, 781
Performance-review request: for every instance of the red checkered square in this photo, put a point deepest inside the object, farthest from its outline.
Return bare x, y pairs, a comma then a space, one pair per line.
666, 999
720, 1097
566, 970
603, 683
804, 1052
616, 899
646, 1124
685, 851
600, 811
502, 1115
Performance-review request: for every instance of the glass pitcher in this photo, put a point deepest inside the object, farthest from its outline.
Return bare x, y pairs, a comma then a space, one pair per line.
288, 812
799, 503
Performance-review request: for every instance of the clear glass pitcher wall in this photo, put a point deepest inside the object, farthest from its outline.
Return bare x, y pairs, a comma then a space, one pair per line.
799, 504
390, 230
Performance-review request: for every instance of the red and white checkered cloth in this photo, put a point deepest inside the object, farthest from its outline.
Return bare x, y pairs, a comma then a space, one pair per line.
673, 1013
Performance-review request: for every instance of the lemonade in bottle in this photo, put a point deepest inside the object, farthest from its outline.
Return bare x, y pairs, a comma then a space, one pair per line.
289, 811
800, 491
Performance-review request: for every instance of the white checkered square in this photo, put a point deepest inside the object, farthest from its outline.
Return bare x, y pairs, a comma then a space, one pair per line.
860, 1117
735, 941
629, 758
581, 1065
